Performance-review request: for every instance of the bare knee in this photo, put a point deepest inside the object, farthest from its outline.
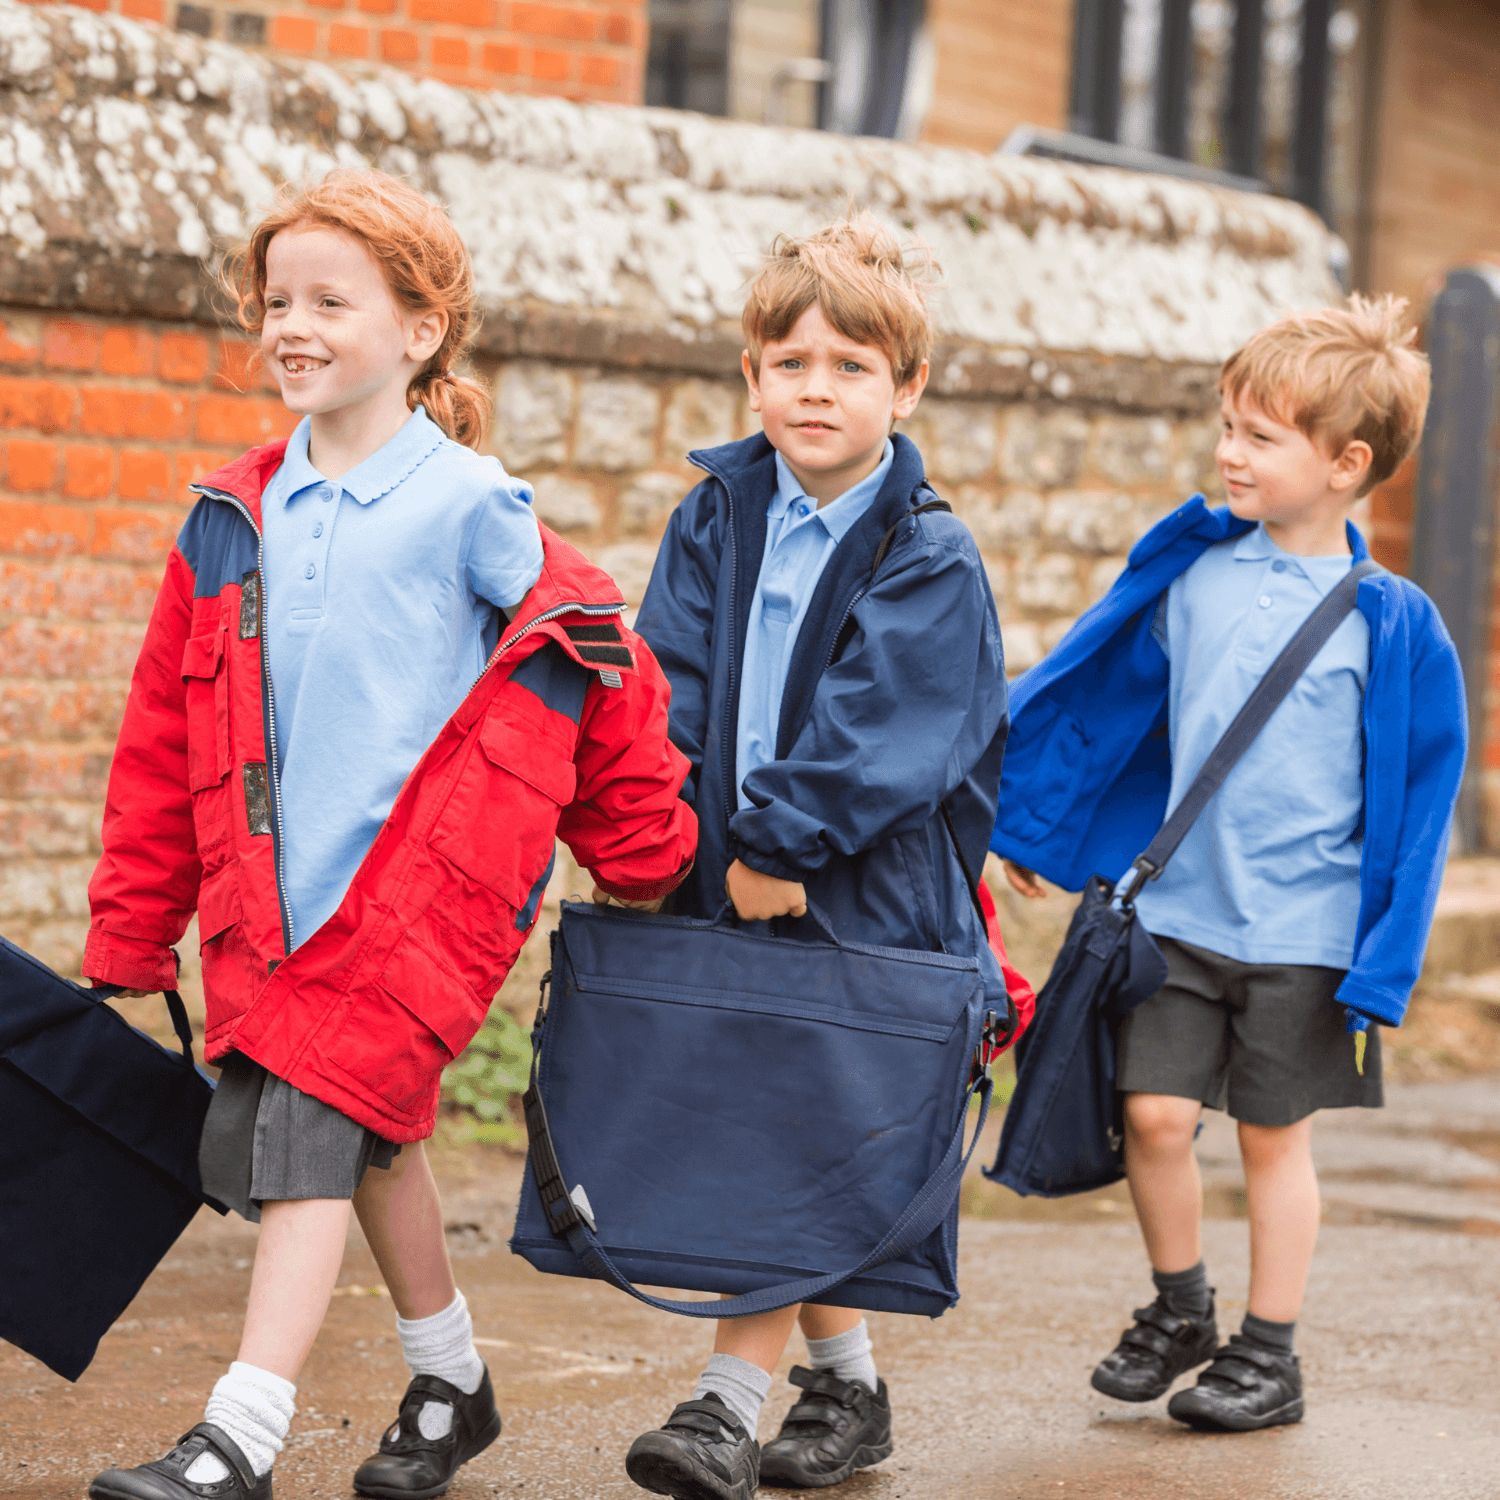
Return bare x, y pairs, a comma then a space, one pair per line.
1266, 1147
1161, 1124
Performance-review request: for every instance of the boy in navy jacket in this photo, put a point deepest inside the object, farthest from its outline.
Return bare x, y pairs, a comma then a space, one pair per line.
1295, 912
838, 687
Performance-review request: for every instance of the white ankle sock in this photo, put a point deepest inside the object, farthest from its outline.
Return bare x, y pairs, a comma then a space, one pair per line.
848, 1355
741, 1386
442, 1345
254, 1409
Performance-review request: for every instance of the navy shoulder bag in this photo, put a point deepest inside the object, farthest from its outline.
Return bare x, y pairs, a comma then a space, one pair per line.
720, 1109
98, 1159
1063, 1130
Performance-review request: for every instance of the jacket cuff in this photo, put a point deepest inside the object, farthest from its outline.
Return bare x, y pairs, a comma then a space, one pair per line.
652, 891
765, 864
131, 963
1372, 1002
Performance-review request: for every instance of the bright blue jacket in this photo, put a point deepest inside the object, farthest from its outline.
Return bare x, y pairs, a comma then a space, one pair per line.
1089, 764
895, 702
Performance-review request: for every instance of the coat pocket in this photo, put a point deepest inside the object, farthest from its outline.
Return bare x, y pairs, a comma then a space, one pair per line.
205, 671
407, 1026
499, 825
227, 960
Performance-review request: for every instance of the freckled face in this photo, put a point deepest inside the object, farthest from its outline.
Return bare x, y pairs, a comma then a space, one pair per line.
1271, 472
334, 336
826, 402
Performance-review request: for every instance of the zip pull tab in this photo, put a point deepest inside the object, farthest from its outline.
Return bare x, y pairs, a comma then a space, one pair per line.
1361, 1041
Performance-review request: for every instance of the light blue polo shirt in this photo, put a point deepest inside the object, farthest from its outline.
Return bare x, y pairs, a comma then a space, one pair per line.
800, 538
1269, 874
380, 596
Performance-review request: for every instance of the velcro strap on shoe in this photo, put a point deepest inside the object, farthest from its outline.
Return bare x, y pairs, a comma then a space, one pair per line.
432, 1388
225, 1447
849, 1393
710, 1417
1238, 1364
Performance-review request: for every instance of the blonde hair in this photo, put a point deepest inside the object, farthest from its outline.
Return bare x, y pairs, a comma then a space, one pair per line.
1340, 375
870, 286
424, 262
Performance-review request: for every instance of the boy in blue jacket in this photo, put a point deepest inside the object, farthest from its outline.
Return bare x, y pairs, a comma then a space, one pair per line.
838, 687
1295, 912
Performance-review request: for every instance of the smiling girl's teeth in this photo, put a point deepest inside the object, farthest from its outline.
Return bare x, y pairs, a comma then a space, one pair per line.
296, 365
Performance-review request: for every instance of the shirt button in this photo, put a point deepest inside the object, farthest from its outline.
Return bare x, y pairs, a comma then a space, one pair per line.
1264, 601
318, 529
1278, 567
327, 494
801, 510
311, 571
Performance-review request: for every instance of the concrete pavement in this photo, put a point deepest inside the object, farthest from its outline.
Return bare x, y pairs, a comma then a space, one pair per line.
1399, 1342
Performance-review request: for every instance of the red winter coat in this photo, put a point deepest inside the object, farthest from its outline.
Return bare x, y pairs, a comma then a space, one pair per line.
565, 735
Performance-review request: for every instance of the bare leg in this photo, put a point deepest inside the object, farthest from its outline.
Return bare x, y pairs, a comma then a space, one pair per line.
828, 1322
760, 1339
1163, 1176
1282, 1189
402, 1218
296, 1265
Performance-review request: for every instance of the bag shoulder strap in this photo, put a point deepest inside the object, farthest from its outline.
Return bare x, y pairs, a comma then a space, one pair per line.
916, 510
1294, 659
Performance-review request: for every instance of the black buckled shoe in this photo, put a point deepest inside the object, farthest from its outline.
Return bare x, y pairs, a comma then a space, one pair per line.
1150, 1356
1244, 1389
702, 1453
837, 1427
166, 1478
412, 1467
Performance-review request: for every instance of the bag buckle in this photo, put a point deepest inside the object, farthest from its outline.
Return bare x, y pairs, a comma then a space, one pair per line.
991, 1038
565, 1211
1144, 872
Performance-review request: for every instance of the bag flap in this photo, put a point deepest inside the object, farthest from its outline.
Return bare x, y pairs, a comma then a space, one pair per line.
72, 1044
201, 653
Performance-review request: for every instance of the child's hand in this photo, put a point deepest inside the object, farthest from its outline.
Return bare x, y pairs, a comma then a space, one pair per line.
603, 898
1023, 881
758, 898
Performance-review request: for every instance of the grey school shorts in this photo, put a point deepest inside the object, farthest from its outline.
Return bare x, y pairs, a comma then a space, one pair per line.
1265, 1041
264, 1141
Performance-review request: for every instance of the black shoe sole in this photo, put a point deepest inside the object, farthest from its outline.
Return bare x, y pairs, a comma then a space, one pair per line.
475, 1448
665, 1469
862, 1458
1201, 1421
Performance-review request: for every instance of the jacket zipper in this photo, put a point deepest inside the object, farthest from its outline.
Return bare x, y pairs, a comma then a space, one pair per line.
273, 767
731, 747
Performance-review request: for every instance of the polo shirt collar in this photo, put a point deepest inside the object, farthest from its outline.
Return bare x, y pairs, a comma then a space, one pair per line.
378, 475
838, 515
1257, 546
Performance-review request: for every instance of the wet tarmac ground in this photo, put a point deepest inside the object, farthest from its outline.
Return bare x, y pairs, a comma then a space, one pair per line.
1400, 1343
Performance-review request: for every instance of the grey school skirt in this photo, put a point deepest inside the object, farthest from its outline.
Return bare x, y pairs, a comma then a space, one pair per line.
264, 1141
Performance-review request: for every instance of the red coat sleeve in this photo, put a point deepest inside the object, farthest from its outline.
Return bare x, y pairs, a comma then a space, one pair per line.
145, 887
627, 824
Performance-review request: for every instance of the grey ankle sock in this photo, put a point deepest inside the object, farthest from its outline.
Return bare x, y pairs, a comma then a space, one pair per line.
847, 1355
1274, 1338
1187, 1293
741, 1386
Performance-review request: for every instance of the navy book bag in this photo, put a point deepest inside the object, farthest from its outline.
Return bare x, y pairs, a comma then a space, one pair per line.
98, 1159
720, 1109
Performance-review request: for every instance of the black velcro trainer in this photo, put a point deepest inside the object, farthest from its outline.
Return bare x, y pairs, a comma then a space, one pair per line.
166, 1478
1244, 1389
412, 1467
702, 1453
837, 1427
1150, 1356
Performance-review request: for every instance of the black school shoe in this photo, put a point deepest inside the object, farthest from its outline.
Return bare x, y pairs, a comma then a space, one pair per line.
164, 1479
1150, 1356
837, 1427
1245, 1388
412, 1467
702, 1453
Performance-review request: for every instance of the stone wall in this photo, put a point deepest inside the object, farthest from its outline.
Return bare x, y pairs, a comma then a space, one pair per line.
1080, 323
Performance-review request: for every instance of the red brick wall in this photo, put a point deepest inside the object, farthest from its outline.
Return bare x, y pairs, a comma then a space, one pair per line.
104, 424
583, 49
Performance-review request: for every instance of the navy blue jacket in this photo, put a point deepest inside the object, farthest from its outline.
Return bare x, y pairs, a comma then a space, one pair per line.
1089, 769
895, 702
